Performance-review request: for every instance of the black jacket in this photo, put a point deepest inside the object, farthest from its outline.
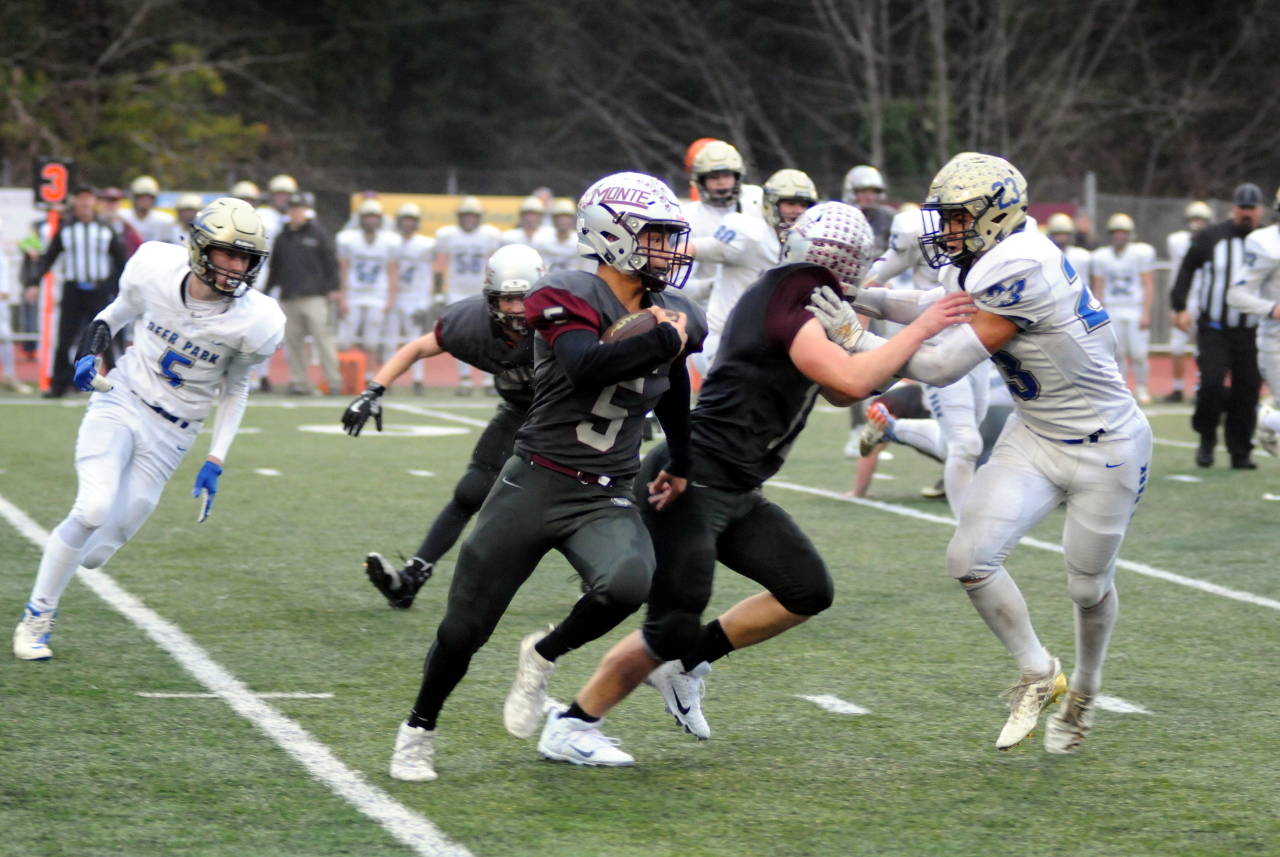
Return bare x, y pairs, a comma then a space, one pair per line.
302, 262
1217, 251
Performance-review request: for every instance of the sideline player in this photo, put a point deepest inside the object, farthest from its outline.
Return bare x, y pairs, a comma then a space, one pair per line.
568, 487
1197, 214
865, 189
198, 328
745, 246
461, 251
559, 243
368, 276
717, 173
488, 331
413, 282
1077, 435
149, 222
1061, 230
530, 228
1123, 281
774, 360
1257, 291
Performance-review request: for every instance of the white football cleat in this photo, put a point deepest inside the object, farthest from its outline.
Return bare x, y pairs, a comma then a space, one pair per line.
1066, 728
682, 691
878, 429
1264, 437
31, 637
527, 699
568, 739
1027, 699
413, 759
1143, 397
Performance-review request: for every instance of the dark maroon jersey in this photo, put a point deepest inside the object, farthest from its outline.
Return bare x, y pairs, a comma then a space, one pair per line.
469, 333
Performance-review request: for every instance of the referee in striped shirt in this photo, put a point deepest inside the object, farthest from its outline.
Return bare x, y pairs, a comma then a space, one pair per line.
92, 260
1226, 339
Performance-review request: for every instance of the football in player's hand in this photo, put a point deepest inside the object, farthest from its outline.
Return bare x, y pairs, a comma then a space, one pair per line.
630, 325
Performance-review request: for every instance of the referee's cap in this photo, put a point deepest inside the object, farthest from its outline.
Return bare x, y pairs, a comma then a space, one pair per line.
1247, 195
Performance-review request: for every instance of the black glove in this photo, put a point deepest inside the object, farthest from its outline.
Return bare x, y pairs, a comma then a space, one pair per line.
95, 340
364, 406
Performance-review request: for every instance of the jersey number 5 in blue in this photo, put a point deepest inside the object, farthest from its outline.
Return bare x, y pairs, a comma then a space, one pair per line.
166, 366
1021, 382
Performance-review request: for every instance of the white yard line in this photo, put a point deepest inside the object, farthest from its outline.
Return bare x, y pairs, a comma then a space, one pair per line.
834, 704
1183, 477
1128, 565
432, 412
410, 828
420, 473
269, 695
266, 471
1118, 705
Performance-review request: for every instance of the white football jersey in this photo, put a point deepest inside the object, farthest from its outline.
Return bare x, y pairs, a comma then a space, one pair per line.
519, 236
272, 220
1257, 289
156, 226
466, 254
704, 220
413, 290
1121, 275
182, 348
1177, 244
367, 282
744, 247
1060, 366
562, 254
903, 254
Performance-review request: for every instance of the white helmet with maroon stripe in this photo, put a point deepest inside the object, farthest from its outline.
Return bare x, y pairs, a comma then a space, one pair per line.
612, 214
836, 236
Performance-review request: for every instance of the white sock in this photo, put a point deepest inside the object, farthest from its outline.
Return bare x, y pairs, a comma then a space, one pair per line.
1000, 604
924, 435
1273, 420
1093, 633
416, 372
1178, 385
58, 565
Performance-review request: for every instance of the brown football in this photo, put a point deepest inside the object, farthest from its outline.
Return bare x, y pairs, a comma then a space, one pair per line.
630, 325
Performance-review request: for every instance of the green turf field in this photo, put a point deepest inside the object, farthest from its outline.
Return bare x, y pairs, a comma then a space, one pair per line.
271, 588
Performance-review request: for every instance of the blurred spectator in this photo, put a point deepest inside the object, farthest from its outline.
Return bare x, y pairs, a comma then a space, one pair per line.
864, 188
149, 222
31, 246
305, 269
92, 259
109, 211
1197, 214
247, 191
187, 206
8, 380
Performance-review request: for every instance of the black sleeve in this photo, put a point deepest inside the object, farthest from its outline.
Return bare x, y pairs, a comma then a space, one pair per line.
588, 362
115, 248
1197, 254
328, 262
672, 411
45, 262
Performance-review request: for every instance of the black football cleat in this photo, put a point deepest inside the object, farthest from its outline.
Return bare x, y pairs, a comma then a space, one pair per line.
398, 586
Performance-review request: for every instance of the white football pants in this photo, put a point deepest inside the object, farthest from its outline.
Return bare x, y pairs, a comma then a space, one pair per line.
1131, 348
960, 409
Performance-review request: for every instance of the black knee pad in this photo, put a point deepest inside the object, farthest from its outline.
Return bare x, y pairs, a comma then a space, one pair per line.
473, 487
626, 586
672, 635
459, 636
810, 596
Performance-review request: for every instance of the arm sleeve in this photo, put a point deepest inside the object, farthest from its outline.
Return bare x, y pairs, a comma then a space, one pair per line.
943, 360
235, 396
1197, 255
116, 251
897, 305
672, 412
588, 362
1245, 294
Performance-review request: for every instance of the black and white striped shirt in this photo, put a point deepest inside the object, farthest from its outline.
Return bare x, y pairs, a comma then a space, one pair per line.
91, 253
1218, 252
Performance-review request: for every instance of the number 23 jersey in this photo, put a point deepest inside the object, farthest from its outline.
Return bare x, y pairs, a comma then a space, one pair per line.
595, 429
1060, 366
182, 349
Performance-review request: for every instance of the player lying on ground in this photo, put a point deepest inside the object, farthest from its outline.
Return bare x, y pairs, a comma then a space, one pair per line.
774, 359
568, 486
198, 329
487, 331
1077, 435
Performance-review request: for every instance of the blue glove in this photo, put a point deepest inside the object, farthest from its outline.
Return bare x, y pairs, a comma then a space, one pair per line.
206, 488
86, 369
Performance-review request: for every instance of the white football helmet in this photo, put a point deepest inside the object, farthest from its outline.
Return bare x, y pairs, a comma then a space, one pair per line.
836, 236
612, 214
409, 209
511, 272
189, 202
986, 187
563, 205
144, 186
282, 184
1120, 222
1060, 224
718, 156
246, 190
370, 206
227, 224
859, 178
1200, 210
786, 185
532, 205
470, 205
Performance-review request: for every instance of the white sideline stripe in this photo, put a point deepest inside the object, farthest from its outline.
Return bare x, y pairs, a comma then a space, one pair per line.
1183, 477
413, 830
432, 412
266, 471
1118, 705
1269, 496
1129, 565
885, 476
268, 695
834, 704
420, 473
